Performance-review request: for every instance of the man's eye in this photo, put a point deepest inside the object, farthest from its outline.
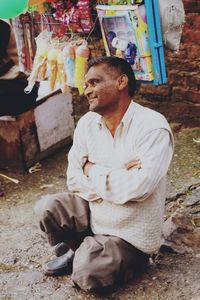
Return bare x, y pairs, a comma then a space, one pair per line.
94, 82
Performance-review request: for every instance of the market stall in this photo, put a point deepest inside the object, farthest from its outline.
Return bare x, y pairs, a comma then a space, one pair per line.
53, 34
55, 41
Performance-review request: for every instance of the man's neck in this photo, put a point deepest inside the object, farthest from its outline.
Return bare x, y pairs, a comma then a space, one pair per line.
112, 120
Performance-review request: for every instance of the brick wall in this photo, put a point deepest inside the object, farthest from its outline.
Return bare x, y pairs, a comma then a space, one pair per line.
179, 99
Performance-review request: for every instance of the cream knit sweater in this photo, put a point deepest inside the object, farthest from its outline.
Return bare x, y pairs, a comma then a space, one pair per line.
124, 203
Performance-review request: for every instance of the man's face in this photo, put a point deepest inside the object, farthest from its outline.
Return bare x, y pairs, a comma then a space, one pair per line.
101, 89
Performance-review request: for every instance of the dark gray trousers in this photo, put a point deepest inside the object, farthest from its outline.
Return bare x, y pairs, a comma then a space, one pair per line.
100, 260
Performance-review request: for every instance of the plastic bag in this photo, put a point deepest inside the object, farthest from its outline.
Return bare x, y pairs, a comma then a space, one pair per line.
172, 16
39, 65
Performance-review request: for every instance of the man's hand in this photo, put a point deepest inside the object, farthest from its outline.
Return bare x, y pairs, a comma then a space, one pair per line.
133, 164
87, 167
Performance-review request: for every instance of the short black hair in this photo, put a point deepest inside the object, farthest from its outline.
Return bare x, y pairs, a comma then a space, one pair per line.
120, 65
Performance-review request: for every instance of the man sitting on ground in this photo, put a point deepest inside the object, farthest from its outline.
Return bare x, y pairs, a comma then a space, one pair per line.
111, 217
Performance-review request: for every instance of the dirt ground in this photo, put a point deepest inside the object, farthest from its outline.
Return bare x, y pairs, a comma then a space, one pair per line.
23, 249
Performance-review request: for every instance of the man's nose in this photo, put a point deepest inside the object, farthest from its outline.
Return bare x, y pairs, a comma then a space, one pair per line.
87, 90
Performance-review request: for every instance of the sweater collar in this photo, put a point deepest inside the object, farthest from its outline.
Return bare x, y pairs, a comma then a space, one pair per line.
127, 118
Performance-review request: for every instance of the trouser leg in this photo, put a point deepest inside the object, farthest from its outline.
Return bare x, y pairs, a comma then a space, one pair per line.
65, 218
101, 261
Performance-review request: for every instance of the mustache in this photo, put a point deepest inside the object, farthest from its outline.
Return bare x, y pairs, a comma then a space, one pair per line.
90, 97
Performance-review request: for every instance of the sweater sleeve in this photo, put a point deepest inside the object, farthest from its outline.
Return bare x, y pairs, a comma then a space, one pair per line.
77, 182
119, 186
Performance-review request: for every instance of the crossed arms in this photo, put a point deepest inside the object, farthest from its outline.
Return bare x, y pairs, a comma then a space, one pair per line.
135, 181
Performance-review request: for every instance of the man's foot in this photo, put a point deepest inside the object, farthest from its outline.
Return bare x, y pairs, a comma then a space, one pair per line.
60, 266
60, 249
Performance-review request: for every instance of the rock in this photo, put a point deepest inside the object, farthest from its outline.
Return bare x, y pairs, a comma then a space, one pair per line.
180, 233
194, 198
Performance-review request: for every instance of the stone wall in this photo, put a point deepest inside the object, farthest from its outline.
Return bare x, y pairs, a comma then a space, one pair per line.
179, 99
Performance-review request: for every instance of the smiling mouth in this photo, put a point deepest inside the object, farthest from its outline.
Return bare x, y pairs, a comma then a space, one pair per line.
91, 99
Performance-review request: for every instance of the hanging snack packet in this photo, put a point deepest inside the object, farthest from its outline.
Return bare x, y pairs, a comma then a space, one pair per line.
52, 63
61, 74
69, 63
39, 62
82, 56
85, 15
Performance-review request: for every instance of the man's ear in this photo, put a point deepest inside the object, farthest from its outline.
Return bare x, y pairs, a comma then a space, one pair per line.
122, 82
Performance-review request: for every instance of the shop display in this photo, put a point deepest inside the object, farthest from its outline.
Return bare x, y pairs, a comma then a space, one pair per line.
125, 34
62, 64
130, 29
76, 16
133, 32
72, 15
